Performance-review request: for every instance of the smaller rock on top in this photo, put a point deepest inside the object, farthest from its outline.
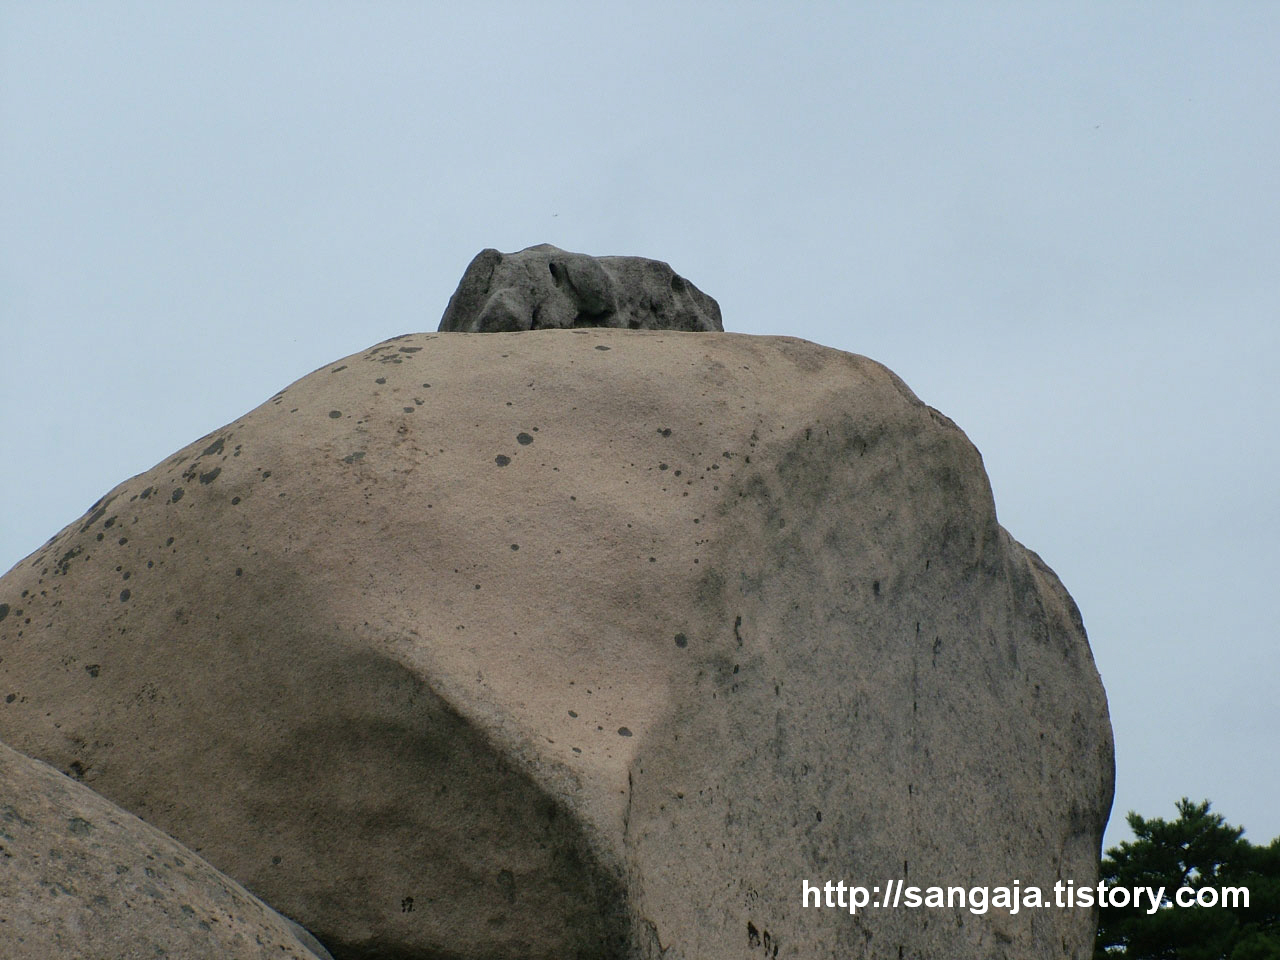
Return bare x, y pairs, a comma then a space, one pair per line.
544, 287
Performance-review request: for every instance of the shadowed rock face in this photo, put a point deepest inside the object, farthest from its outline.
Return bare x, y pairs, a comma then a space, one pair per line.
544, 287
579, 644
79, 877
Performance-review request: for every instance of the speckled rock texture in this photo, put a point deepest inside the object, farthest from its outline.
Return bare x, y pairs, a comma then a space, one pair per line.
80, 879
544, 287
579, 643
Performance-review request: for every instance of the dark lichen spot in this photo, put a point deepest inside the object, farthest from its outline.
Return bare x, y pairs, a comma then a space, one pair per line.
410, 349
515, 546
408, 409
64, 564
92, 669
77, 769
266, 474
338, 369
177, 495
211, 476
601, 347
239, 571
624, 732
94, 518
10, 698
381, 380
875, 588
234, 501
524, 439
111, 522
663, 466
573, 713
215, 447
353, 457
681, 641
502, 460
335, 414
665, 431
4, 610
124, 595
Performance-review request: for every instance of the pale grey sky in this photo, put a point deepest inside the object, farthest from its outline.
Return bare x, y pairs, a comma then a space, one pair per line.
1059, 223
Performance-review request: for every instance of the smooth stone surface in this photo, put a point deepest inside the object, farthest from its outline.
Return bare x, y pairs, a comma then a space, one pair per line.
579, 643
544, 287
81, 878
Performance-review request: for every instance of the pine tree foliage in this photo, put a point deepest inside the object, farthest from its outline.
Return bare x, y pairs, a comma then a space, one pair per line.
1198, 849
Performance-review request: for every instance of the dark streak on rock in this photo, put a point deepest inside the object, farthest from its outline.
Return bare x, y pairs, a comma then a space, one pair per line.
94, 518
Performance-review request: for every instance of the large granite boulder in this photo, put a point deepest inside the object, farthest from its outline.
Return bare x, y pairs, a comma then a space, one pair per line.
544, 287
81, 878
579, 643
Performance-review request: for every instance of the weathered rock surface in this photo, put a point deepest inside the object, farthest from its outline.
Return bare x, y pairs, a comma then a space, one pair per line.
544, 287
588, 643
80, 879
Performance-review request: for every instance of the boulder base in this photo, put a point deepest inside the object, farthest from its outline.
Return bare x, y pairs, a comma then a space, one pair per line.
579, 643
